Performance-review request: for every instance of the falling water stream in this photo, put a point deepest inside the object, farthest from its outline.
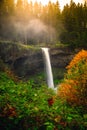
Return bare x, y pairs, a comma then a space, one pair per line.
48, 68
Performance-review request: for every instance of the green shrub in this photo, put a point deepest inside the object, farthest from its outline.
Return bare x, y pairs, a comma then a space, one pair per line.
24, 107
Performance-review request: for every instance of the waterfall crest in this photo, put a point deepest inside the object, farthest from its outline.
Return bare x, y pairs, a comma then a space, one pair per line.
48, 68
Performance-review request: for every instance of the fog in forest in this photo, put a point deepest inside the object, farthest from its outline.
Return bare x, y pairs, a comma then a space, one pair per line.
35, 31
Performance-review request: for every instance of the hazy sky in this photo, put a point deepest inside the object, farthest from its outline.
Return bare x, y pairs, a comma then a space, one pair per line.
61, 2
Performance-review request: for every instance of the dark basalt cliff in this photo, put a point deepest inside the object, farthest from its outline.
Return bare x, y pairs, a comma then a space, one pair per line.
26, 61
61, 56
22, 59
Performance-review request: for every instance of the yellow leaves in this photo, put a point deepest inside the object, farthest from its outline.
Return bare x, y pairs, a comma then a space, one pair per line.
58, 118
36, 109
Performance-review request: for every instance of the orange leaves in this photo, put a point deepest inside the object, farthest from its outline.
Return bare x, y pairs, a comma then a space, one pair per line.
81, 55
67, 91
74, 87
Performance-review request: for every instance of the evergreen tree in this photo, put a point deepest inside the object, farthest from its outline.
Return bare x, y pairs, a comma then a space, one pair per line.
19, 9
85, 16
7, 10
36, 9
26, 11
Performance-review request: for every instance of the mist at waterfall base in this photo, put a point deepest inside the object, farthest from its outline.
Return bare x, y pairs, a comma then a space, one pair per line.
34, 31
48, 68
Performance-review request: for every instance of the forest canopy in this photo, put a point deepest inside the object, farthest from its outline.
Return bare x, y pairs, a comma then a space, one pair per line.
33, 23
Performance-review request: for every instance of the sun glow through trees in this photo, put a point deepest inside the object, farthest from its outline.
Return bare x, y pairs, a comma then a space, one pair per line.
61, 2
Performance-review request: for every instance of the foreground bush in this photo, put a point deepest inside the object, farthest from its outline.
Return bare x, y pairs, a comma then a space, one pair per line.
74, 87
24, 107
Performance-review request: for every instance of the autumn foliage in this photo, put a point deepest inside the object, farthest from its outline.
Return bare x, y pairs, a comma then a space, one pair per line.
9, 111
74, 87
50, 101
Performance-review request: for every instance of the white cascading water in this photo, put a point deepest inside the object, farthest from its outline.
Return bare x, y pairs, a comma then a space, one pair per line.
48, 67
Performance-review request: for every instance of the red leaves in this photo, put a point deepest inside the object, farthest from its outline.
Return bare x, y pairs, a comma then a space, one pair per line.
9, 111
64, 124
12, 112
50, 101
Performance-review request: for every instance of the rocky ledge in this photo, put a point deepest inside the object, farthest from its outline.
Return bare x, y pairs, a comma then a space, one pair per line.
26, 61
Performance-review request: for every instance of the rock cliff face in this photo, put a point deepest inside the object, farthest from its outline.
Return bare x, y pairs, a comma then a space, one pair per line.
22, 59
26, 61
29, 64
60, 57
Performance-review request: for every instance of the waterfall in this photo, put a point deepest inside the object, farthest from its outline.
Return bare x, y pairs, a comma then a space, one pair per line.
48, 67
